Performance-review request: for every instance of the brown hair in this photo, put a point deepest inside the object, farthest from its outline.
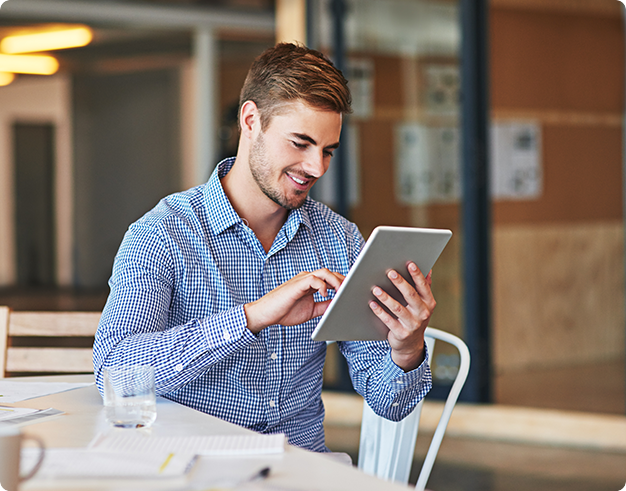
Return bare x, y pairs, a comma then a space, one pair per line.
289, 72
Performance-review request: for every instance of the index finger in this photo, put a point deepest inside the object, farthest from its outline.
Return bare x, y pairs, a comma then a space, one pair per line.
333, 279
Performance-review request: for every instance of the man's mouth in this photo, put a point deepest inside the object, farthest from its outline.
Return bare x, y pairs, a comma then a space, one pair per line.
301, 182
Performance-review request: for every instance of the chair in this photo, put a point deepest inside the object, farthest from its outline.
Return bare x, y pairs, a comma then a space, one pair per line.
54, 326
386, 447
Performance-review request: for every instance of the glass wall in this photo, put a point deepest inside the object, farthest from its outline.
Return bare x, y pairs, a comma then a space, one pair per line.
403, 157
556, 144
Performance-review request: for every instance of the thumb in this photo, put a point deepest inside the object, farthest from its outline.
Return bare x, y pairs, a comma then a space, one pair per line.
320, 307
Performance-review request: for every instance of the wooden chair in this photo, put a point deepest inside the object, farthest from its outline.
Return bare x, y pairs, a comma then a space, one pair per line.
53, 327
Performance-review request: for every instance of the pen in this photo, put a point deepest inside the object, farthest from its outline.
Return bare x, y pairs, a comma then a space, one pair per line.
262, 474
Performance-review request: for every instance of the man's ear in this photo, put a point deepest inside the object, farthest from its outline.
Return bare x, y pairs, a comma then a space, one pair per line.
249, 119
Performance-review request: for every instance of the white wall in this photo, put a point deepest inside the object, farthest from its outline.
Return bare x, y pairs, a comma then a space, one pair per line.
37, 100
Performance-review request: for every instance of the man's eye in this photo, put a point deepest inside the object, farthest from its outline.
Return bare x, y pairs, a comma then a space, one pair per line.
299, 145
328, 153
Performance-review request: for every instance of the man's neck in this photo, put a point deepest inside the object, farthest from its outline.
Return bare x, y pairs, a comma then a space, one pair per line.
262, 215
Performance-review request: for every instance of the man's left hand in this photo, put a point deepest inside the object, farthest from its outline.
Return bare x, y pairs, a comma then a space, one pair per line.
406, 329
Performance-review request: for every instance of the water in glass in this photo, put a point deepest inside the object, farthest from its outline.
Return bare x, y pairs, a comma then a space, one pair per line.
129, 396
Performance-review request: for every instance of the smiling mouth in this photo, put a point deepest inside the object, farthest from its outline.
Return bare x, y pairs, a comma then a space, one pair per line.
300, 181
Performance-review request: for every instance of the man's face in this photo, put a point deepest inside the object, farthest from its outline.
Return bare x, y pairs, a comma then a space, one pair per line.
294, 152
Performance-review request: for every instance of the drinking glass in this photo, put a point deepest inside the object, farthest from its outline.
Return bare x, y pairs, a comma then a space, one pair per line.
129, 396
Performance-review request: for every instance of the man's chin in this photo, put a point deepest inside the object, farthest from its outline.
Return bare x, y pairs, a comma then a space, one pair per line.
294, 203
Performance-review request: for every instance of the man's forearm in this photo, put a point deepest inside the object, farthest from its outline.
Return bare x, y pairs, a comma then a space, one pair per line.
178, 354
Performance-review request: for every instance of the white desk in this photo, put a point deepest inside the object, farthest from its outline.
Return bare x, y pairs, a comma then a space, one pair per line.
296, 469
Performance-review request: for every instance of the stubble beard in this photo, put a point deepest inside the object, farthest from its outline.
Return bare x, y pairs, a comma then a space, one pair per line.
261, 173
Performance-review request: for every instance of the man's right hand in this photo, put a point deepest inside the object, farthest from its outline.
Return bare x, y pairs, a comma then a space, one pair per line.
292, 302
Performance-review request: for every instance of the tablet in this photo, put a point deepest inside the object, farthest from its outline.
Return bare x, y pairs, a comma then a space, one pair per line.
349, 317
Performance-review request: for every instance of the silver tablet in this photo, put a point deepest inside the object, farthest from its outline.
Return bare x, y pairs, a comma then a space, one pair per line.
349, 317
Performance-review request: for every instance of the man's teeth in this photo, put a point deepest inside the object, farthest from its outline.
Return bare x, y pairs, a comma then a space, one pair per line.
299, 181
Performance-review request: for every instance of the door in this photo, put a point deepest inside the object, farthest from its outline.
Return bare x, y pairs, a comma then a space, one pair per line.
33, 150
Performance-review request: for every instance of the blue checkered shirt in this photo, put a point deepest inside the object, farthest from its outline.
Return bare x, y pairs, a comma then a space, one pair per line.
180, 279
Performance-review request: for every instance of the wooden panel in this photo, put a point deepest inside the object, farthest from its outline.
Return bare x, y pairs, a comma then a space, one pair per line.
54, 323
290, 21
559, 388
69, 360
561, 117
584, 7
4, 327
379, 205
388, 86
545, 61
558, 294
566, 72
582, 178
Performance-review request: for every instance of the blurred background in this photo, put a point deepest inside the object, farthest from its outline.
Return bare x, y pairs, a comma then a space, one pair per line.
131, 101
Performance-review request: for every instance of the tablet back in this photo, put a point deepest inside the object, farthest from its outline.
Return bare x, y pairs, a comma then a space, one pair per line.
349, 317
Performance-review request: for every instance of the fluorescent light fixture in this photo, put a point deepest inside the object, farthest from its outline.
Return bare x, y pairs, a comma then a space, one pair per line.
33, 42
6, 78
32, 64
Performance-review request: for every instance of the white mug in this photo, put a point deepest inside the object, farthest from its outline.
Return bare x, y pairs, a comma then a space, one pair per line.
10, 448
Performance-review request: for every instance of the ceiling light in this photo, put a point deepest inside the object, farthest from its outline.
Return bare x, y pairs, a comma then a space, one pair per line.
47, 40
32, 64
6, 78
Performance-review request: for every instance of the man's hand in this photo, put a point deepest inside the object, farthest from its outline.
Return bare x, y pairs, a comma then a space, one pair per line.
292, 302
406, 329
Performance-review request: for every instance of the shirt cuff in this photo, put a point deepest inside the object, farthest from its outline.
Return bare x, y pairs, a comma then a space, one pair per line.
398, 379
227, 331
224, 334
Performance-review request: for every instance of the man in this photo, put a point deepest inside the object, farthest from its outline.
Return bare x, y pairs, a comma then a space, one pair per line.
219, 287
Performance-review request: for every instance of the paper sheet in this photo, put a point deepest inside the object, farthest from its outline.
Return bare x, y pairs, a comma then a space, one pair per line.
78, 463
11, 392
7, 413
227, 445
21, 416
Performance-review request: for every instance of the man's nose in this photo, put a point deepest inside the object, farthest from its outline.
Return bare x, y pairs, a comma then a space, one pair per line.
316, 164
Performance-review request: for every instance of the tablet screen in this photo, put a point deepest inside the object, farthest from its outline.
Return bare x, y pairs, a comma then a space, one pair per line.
349, 317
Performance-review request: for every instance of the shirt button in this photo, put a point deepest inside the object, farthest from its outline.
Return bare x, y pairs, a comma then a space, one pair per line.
273, 356
272, 404
226, 335
179, 367
395, 404
399, 381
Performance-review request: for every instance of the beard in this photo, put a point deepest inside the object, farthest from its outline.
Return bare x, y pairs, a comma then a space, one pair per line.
261, 171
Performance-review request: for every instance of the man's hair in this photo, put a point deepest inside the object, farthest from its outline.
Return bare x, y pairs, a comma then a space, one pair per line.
289, 72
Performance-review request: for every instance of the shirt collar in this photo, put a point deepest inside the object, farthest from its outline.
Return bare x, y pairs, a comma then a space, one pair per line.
220, 212
222, 216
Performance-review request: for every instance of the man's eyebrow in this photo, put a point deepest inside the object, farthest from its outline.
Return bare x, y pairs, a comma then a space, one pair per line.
307, 138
